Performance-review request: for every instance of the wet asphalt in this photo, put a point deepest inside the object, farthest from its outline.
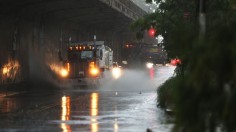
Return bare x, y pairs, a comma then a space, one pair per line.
126, 104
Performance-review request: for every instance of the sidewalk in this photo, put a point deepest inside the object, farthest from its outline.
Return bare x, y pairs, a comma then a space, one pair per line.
13, 89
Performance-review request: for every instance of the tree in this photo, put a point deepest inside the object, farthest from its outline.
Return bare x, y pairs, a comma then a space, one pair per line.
204, 93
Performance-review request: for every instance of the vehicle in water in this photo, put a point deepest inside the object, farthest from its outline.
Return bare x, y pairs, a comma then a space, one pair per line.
88, 61
143, 54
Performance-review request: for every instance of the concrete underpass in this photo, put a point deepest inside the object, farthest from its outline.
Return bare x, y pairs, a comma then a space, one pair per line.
32, 32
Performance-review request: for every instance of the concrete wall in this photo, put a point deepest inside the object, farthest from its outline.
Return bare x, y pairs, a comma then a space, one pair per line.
28, 45
12, 43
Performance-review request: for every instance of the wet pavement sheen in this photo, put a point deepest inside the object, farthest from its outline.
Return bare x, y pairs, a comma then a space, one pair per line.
124, 105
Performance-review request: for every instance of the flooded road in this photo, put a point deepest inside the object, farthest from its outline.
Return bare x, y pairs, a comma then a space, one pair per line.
127, 104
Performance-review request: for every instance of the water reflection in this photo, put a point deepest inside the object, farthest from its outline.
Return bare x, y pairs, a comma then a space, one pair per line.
76, 109
94, 112
9, 105
116, 126
65, 115
151, 73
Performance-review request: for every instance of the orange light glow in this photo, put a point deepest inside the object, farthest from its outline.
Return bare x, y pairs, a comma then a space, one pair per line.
65, 105
8, 106
64, 72
68, 66
10, 70
94, 112
77, 48
65, 127
94, 71
70, 48
92, 64
94, 104
59, 70
4, 70
65, 115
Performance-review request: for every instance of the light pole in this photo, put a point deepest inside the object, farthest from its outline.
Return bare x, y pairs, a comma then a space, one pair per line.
202, 17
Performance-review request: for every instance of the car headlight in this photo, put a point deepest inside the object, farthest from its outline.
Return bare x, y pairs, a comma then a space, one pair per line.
116, 72
149, 65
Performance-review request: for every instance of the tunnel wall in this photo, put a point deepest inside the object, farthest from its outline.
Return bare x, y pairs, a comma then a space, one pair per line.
9, 61
28, 46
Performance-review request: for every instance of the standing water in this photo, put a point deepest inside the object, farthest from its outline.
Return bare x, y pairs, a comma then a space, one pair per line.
127, 104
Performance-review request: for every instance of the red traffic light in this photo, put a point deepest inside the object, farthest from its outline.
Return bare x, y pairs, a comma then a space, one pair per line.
175, 61
151, 32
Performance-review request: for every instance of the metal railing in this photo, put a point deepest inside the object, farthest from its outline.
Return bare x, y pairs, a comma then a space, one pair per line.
127, 7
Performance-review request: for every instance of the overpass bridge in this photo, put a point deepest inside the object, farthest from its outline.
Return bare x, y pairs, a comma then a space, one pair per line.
33, 31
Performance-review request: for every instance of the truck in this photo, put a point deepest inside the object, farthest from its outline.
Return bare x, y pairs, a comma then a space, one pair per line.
87, 61
139, 54
154, 54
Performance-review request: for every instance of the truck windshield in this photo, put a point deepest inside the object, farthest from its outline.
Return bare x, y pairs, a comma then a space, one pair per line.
79, 55
86, 54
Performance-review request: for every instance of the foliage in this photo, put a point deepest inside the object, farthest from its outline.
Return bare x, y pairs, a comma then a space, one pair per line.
166, 20
204, 90
165, 92
206, 97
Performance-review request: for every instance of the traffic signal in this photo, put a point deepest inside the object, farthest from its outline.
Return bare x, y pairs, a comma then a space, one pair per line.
151, 32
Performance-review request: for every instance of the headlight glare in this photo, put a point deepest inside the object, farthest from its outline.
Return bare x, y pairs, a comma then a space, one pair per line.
149, 65
94, 71
63, 73
116, 72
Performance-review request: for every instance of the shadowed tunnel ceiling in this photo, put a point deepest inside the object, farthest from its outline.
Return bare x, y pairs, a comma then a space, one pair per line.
92, 14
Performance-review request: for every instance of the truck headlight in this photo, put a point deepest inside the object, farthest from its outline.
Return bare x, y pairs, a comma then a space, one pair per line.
116, 72
64, 73
94, 71
149, 65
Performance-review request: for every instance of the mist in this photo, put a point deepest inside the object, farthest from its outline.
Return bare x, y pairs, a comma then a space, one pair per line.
138, 80
131, 79
41, 76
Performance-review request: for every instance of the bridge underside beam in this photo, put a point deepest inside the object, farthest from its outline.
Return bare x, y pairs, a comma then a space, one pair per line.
33, 31
86, 13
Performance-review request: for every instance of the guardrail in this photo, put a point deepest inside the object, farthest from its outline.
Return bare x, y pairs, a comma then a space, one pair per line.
127, 7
